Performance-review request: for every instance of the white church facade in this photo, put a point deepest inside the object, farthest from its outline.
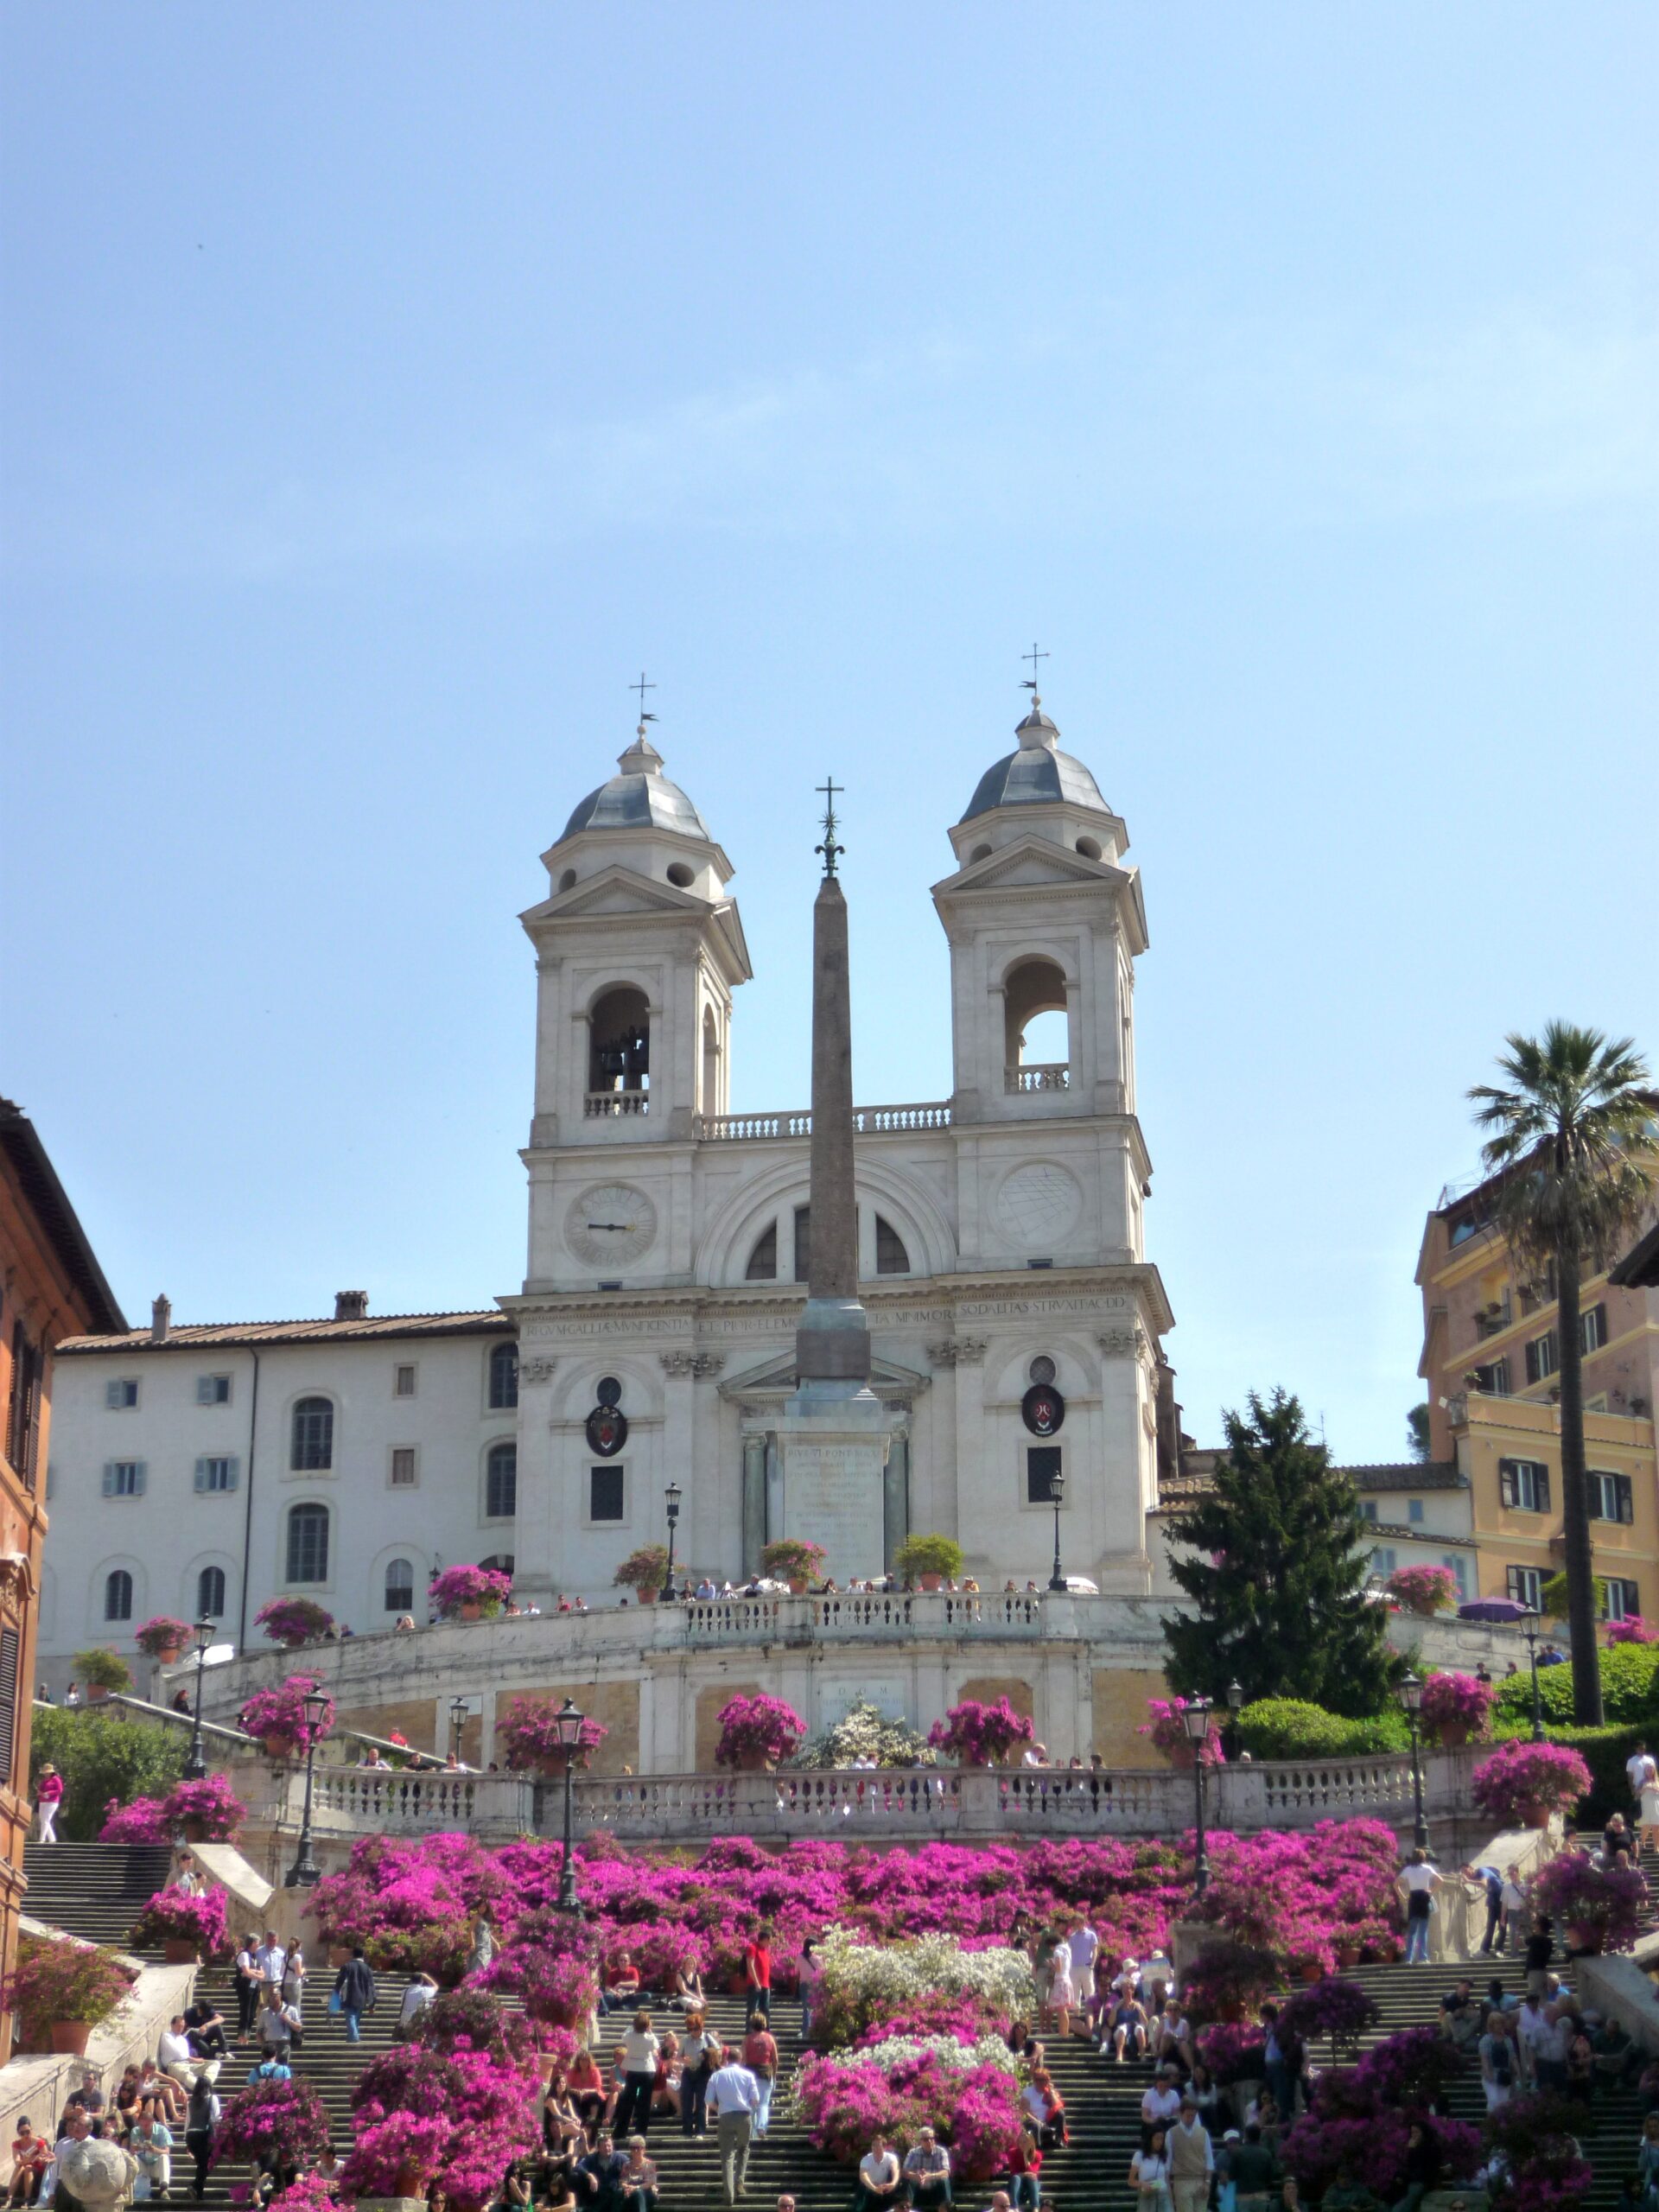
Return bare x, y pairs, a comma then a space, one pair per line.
1000, 1238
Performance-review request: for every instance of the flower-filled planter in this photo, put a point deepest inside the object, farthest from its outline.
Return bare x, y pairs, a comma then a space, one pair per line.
795, 1559
977, 1734
1168, 1731
1336, 2010
102, 1671
163, 1638
272, 2124
757, 1733
1537, 2137
60, 1991
643, 1572
469, 1593
527, 1737
208, 1812
187, 1928
1228, 1982
1456, 1707
1598, 1909
930, 1559
443, 2110
1523, 1784
292, 1622
1423, 1590
278, 1717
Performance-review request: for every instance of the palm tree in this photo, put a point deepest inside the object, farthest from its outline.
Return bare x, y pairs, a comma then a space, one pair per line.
1573, 1143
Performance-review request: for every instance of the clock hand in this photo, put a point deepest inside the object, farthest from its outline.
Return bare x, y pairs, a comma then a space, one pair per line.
624, 1225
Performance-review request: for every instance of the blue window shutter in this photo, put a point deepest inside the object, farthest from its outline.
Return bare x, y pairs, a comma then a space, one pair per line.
109, 1478
139, 1472
201, 1474
232, 1473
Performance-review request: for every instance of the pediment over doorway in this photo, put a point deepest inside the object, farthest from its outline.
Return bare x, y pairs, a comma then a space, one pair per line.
773, 1380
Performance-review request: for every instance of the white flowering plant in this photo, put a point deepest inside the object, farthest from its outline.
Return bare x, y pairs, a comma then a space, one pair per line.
952, 2053
862, 1984
864, 1732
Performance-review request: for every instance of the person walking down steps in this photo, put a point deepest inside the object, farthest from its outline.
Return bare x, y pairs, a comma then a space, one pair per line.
48, 1797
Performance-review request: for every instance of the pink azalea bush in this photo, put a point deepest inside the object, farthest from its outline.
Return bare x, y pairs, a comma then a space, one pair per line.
1537, 2137
1522, 1782
283, 2123
1332, 2008
175, 1917
1598, 1909
843, 2100
1632, 1630
456, 1587
294, 1620
1169, 1730
528, 1737
1423, 1590
311, 2193
550, 1962
1457, 1702
759, 1728
1361, 2116
977, 1734
157, 1820
163, 1633
279, 1715
458, 2115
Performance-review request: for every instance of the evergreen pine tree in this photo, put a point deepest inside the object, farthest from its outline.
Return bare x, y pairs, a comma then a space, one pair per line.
1276, 1558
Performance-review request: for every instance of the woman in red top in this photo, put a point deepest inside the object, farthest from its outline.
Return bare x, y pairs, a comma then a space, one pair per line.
760, 2056
586, 2086
757, 1973
1025, 2169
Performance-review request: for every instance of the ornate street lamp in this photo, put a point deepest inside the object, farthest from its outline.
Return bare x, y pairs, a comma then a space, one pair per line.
1057, 1491
1411, 1696
305, 1873
568, 1721
671, 1495
1530, 1623
458, 1709
1195, 1719
1235, 1707
195, 1767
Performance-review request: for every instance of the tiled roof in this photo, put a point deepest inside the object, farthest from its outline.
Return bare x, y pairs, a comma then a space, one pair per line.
201, 1335
1406, 1474
1414, 1533
37, 1178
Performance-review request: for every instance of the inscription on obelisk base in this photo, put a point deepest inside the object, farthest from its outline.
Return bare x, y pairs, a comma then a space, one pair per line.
833, 1463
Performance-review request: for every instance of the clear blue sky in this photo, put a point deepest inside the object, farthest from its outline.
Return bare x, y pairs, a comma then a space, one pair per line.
385, 385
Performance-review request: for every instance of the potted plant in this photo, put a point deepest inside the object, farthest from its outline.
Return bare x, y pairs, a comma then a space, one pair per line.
208, 1812
1456, 1707
469, 1593
161, 1639
1598, 1908
293, 1621
1228, 1982
62, 1990
1331, 2007
977, 1734
273, 2125
188, 1929
278, 1717
1523, 1784
527, 1737
929, 1560
1167, 1729
756, 1733
643, 1572
1423, 1590
795, 1559
102, 1670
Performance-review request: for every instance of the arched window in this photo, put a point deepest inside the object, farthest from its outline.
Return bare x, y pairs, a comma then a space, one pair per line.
501, 1483
619, 1041
210, 1593
763, 1260
118, 1595
504, 1378
400, 1586
891, 1257
307, 1543
314, 1433
1036, 1047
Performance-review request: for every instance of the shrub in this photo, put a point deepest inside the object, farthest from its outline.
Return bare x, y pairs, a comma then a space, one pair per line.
1457, 1701
175, 1917
1597, 1910
102, 1759
161, 1634
456, 1587
1290, 1728
459, 2116
793, 1558
294, 1620
861, 1984
968, 2094
929, 1555
1605, 1751
1632, 1630
1167, 1729
1423, 1590
646, 1569
1521, 1783
977, 1734
864, 1732
102, 1670
758, 1728
528, 1734
1230, 1978
1234, 2051
1361, 2117
1332, 2007
143, 1821
1553, 1595
63, 1979
279, 1715
272, 2124
1537, 2139
213, 1803
1628, 1689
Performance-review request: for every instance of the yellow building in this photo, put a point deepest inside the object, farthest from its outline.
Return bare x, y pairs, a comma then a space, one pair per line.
1490, 1360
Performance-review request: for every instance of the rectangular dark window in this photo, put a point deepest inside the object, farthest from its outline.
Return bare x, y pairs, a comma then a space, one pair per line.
1541, 1358
1624, 1599
1526, 1587
605, 1493
1524, 1485
403, 1473
23, 1412
215, 1475
122, 1392
125, 1478
1611, 1498
1042, 1464
403, 1384
1492, 1379
9, 1648
213, 1389
1593, 1329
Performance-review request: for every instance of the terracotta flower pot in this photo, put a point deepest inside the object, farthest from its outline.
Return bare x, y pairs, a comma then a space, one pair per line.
1453, 1734
646, 1597
932, 1582
167, 1656
755, 1763
408, 2181
340, 1954
277, 1747
1581, 1938
470, 1610
1182, 1757
1347, 1955
178, 1950
195, 1831
1311, 1972
96, 1693
797, 1585
293, 1643
70, 2037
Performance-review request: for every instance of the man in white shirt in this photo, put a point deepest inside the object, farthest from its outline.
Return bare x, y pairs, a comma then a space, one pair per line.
734, 2100
1417, 1883
1191, 2159
271, 1959
419, 1994
1159, 2105
877, 2177
1084, 1947
173, 2053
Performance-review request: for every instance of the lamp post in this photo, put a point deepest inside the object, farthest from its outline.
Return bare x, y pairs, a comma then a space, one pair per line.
195, 1766
671, 1496
1530, 1630
1195, 1719
458, 1711
1235, 1707
1056, 1492
305, 1873
1411, 1696
568, 1722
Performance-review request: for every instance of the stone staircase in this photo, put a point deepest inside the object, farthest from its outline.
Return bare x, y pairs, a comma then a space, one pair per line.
93, 1890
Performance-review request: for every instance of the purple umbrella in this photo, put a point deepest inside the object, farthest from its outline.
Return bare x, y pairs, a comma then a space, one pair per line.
1492, 1609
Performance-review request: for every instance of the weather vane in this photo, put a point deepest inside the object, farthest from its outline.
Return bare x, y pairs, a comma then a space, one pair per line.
1029, 683
829, 849
642, 686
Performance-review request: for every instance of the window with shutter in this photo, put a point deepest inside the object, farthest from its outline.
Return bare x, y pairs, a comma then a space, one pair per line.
216, 1475
1526, 1587
1593, 1329
501, 1482
1506, 1482
307, 1543
1540, 1489
1540, 1358
11, 1646
504, 1378
213, 1389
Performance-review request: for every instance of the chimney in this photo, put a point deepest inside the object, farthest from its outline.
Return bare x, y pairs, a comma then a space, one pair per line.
161, 1318
350, 1306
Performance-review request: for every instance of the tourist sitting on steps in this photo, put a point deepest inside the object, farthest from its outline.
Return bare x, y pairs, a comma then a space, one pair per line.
638, 2180
878, 2177
927, 2172
1025, 2168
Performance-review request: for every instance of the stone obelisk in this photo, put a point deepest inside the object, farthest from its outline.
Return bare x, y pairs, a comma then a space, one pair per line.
834, 1434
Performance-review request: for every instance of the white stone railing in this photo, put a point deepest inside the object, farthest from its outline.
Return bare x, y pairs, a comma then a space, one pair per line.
372, 1801
868, 1120
1052, 1075
597, 1104
857, 1613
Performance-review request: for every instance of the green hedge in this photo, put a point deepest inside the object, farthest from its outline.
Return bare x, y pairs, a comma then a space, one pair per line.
100, 1758
1289, 1728
1628, 1690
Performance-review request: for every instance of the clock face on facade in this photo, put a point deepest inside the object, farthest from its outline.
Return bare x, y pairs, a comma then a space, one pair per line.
1038, 1205
610, 1225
